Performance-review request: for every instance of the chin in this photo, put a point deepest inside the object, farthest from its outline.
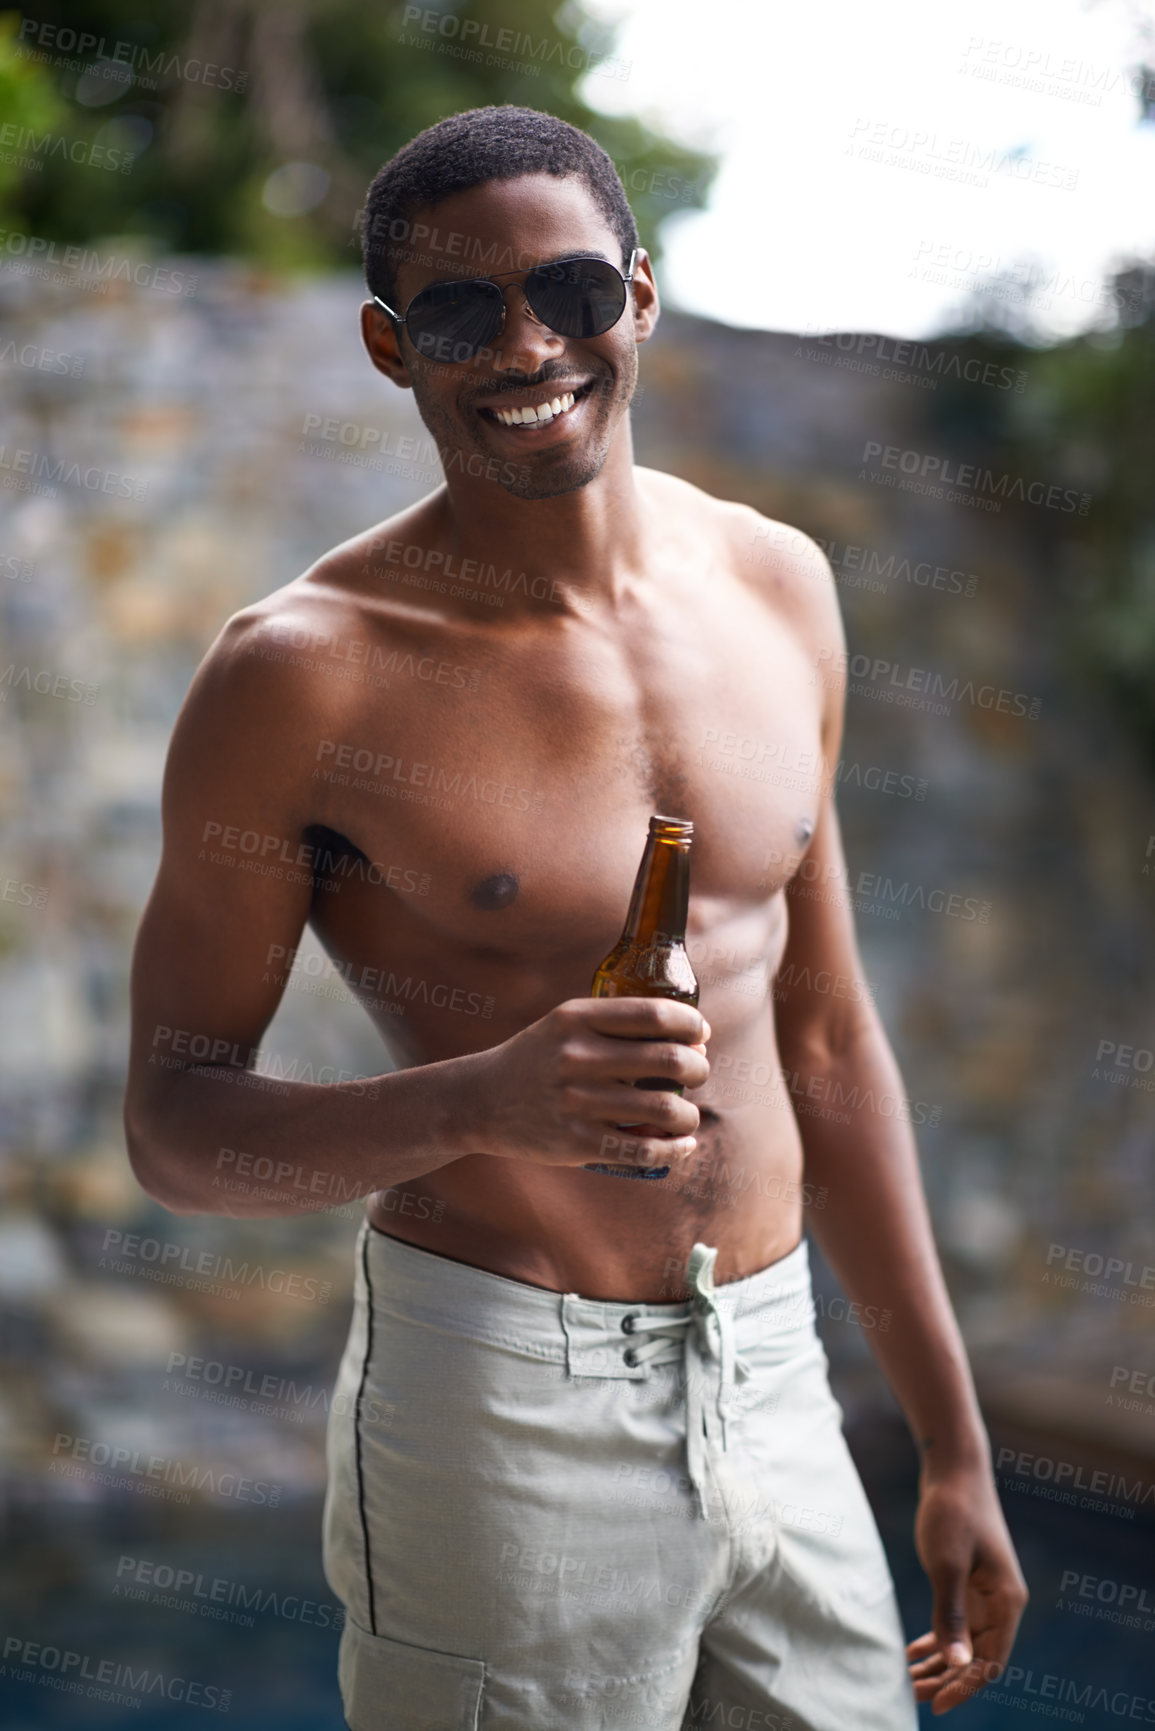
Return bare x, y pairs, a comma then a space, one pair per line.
551, 483
565, 473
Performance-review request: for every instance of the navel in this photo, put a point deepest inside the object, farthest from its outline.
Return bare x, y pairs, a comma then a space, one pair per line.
495, 892
804, 829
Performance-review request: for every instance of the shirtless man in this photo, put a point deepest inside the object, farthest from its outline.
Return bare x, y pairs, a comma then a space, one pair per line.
588, 1470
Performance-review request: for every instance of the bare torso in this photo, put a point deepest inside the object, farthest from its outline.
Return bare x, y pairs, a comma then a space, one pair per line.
513, 762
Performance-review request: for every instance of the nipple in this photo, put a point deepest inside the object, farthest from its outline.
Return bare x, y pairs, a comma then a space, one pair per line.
495, 892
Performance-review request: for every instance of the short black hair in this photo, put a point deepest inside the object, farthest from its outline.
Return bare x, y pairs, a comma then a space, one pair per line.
466, 150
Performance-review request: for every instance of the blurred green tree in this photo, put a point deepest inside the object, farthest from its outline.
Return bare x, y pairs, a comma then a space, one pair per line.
1084, 423
28, 103
255, 126
1100, 409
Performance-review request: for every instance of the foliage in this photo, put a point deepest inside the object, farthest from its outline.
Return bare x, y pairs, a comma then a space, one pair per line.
1101, 404
28, 101
334, 85
1083, 422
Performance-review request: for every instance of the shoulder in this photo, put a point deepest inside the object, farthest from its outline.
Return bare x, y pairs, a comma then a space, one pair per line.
253, 713
789, 570
290, 643
783, 566
268, 661
288, 667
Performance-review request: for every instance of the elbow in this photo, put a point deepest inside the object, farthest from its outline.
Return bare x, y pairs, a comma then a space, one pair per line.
823, 1043
146, 1155
830, 1037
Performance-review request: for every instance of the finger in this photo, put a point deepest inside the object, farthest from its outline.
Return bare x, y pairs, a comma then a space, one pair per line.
669, 1060
930, 1691
961, 1685
931, 1688
926, 1688
644, 1019
621, 1148
615, 1108
949, 1618
1004, 1614
992, 1646
922, 1644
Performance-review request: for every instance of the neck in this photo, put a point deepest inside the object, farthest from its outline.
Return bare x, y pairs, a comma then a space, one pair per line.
586, 543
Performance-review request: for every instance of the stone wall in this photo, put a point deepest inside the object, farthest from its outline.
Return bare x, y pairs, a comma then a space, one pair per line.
195, 451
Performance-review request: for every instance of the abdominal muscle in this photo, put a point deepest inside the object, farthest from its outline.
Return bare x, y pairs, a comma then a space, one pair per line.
627, 1240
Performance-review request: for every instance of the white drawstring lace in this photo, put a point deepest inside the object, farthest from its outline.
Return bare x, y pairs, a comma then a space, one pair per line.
707, 1332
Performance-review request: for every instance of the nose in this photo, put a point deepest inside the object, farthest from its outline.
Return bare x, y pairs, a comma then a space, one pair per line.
525, 342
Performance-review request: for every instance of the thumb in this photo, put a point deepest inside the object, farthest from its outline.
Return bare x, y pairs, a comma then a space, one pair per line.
949, 1582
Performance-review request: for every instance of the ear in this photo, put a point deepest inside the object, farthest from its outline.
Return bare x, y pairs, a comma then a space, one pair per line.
646, 304
382, 343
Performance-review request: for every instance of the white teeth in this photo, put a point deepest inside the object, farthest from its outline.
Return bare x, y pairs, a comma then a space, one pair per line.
544, 412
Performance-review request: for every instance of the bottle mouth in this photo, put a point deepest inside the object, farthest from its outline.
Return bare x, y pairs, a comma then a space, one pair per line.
673, 828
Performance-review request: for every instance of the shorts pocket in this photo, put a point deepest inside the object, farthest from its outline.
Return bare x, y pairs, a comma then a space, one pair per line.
390, 1686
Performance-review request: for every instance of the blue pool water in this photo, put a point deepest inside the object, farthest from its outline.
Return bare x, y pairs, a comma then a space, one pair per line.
62, 1567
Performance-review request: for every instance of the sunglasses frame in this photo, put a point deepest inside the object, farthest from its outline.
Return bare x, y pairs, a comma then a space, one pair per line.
454, 282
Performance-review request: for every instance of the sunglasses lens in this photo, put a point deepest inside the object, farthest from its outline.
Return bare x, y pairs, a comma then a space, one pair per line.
451, 321
580, 297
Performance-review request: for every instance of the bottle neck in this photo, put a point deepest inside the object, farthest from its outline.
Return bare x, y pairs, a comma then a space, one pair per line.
661, 898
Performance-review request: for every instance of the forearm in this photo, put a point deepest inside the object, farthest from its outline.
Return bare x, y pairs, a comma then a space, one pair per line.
229, 1141
876, 1233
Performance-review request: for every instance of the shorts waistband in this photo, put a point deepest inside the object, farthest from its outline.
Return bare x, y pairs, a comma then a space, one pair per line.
461, 1298
603, 1337
704, 1336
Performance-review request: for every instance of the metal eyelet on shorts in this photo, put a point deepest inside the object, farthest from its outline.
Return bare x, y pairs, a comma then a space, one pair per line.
628, 1324
630, 1357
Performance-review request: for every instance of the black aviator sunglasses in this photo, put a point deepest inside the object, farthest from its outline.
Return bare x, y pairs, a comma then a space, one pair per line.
576, 297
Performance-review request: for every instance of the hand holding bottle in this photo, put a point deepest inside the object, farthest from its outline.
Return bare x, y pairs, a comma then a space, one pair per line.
649, 960
553, 1093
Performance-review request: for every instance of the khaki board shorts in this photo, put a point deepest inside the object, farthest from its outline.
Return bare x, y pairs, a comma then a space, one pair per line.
550, 1513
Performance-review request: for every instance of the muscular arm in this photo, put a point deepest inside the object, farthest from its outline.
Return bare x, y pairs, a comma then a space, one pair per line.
210, 964
875, 1229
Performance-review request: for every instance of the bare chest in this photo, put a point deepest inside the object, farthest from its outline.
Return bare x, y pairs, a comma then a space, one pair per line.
505, 801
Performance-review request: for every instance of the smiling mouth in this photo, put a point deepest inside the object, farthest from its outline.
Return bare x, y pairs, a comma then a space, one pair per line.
541, 414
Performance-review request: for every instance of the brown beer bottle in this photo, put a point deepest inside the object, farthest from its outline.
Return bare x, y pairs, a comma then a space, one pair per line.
649, 960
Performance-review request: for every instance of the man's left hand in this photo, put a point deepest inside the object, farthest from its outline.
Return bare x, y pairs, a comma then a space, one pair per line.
979, 1591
